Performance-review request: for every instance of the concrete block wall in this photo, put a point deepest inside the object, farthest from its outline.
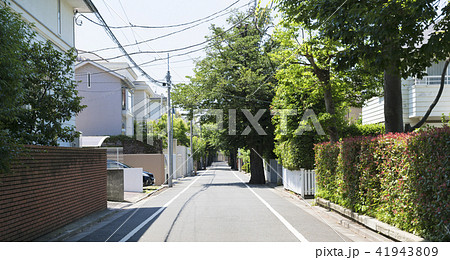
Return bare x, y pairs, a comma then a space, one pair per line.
48, 188
115, 185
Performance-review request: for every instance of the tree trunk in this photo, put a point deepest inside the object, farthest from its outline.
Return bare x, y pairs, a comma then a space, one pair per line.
393, 106
324, 77
233, 161
256, 167
329, 106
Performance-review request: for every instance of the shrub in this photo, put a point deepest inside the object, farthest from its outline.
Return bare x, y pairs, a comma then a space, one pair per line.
132, 146
430, 168
354, 130
348, 172
326, 162
401, 179
297, 152
395, 195
244, 154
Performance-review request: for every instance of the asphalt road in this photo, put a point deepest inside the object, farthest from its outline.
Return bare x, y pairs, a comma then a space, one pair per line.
218, 206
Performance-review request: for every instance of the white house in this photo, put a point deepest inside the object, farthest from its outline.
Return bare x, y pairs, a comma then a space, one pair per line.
158, 106
142, 100
108, 91
417, 95
53, 20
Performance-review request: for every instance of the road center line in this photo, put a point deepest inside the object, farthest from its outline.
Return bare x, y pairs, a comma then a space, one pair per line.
278, 215
136, 229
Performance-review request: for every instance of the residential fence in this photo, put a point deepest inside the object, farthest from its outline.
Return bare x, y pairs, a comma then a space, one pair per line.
302, 181
50, 187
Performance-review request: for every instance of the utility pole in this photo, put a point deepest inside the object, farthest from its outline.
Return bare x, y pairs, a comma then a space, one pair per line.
169, 128
192, 147
201, 157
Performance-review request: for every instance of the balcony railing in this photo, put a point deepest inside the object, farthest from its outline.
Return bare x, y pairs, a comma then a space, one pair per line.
432, 80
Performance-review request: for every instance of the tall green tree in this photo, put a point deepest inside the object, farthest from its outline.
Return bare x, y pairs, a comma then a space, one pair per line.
158, 129
15, 37
37, 90
397, 38
50, 97
308, 79
237, 75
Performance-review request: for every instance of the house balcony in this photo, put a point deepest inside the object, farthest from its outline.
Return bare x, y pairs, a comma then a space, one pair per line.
432, 80
127, 113
423, 93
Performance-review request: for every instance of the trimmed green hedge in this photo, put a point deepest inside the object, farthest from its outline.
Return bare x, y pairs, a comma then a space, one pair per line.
354, 130
297, 151
400, 179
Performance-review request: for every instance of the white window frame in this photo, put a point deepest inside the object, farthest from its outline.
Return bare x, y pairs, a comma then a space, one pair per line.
89, 80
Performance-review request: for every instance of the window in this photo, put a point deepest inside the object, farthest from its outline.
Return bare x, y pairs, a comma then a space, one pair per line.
129, 101
147, 105
124, 99
89, 82
59, 24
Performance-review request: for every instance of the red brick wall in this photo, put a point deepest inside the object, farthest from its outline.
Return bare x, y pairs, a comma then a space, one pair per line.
50, 187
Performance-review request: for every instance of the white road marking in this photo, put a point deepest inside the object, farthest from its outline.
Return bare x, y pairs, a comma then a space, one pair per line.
145, 222
278, 215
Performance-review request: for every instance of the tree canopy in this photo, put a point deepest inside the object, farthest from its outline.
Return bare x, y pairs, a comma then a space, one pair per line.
237, 75
398, 38
37, 90
308, 80
158, 129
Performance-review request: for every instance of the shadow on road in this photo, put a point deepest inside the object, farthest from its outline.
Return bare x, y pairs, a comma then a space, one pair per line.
217, 168
230, 184
122, 226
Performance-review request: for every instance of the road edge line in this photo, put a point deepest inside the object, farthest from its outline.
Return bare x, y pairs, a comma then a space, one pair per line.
288, 225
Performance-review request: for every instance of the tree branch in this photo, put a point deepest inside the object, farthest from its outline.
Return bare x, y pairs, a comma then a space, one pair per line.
408, 127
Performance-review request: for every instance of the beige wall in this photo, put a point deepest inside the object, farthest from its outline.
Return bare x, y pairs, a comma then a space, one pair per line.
153, 163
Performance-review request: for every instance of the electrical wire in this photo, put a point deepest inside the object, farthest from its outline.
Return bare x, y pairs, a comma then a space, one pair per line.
162, 26
145, 41
128, 19
161, 36
142, 64
113, 37
182, 48
110, 12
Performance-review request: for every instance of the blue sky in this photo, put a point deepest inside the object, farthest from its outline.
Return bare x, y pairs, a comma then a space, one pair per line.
90, 37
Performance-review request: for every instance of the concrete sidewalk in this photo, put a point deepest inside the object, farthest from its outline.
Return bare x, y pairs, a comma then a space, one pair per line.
351, 229
84, 223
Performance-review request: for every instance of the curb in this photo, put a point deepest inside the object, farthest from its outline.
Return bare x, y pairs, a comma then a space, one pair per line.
341, 220
78, 226
151, 193
371, 223
86, 222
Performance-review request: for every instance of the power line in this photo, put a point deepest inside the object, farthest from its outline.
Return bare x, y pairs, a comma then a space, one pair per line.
187, 53
165, 26
142, 64
113, 37
161, 36
128, 19
182, 48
